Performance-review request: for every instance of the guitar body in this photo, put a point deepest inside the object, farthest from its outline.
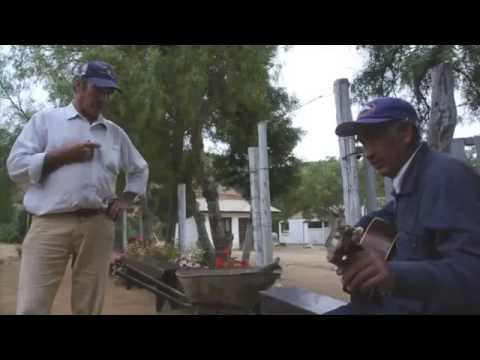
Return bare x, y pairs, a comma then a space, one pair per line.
379, 237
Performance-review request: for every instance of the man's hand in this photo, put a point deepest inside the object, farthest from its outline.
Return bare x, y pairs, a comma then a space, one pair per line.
366, 271
118, 206
81, 152
68, 155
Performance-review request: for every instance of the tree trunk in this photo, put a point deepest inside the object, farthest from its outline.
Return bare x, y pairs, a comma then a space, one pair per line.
443, 118
210, 192
147, 220
203, 239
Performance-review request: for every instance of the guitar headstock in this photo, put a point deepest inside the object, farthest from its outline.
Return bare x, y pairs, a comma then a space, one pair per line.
344, 243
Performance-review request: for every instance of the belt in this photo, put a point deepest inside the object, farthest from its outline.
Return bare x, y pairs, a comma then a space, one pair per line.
80, 213
87, 212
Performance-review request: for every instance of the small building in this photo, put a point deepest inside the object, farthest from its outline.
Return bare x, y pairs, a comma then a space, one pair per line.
235, 212
298, 230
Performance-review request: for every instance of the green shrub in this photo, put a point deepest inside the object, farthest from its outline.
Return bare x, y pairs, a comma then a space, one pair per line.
9, 232
14, 231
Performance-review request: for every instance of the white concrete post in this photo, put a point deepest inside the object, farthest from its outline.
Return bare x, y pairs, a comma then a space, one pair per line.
264, 181
348, 161
182, 217
255, 205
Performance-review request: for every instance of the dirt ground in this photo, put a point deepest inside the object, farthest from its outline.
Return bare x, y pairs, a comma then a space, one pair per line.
302, 267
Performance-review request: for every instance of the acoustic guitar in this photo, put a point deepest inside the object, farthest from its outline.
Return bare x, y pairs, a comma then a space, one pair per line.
379, 237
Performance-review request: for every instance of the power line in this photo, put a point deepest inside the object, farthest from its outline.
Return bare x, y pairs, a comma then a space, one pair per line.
308, 102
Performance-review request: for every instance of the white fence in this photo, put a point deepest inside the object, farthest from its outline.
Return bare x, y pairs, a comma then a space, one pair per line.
300, 233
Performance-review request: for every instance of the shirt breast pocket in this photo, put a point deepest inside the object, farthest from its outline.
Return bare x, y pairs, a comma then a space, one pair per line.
112, 159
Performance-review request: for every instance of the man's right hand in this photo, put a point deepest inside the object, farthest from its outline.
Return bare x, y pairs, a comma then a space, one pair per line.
75, 153
80, 152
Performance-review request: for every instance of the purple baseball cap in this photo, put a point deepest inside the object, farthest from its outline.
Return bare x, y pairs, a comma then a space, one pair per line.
99, 73
379, 111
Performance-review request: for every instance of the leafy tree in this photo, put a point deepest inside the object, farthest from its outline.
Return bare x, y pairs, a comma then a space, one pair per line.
175, 97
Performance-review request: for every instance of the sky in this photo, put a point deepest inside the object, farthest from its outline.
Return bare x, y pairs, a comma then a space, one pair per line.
309, 71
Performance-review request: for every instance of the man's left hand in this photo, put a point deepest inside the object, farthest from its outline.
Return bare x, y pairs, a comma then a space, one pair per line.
369, 271
117, 208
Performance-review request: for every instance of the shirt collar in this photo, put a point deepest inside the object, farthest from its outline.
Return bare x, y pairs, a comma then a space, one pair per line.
397, 180
72, 113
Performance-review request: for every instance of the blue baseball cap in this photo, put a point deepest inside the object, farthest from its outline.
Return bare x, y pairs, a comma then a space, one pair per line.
99, 73
379, 111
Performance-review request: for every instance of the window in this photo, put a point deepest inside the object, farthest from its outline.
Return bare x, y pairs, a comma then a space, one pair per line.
227, 224
315, 225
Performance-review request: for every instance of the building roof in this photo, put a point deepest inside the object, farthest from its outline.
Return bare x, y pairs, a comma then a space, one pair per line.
230, 201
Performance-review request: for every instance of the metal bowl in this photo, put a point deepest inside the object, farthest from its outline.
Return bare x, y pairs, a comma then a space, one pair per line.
225, 287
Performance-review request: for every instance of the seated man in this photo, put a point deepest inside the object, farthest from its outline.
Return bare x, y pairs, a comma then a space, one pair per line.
435, 264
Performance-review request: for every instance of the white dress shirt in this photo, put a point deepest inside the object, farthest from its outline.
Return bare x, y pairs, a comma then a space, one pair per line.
86, 185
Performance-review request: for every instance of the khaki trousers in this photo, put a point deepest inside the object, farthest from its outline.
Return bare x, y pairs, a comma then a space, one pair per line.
46, 251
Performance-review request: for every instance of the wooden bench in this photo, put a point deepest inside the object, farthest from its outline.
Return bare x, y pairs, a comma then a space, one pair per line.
299, 301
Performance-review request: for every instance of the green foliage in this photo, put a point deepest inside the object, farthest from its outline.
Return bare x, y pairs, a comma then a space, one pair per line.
282, 137
14, 230
175, 97
6, 186
8, 232
320, 187
473, 158
391, 70
362, 183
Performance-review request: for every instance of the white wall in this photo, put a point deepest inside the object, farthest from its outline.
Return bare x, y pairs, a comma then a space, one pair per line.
318, 236
296, 232
192, 234
236, 232
299, 233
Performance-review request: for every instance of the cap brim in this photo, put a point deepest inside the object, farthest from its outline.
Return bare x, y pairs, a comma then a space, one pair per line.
352, 128
348, 129
104, 83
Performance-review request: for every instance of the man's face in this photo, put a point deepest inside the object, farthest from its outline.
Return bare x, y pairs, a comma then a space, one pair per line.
92, 99
385, 147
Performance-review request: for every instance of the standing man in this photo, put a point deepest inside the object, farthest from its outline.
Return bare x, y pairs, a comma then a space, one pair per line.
70, 158
435, 265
